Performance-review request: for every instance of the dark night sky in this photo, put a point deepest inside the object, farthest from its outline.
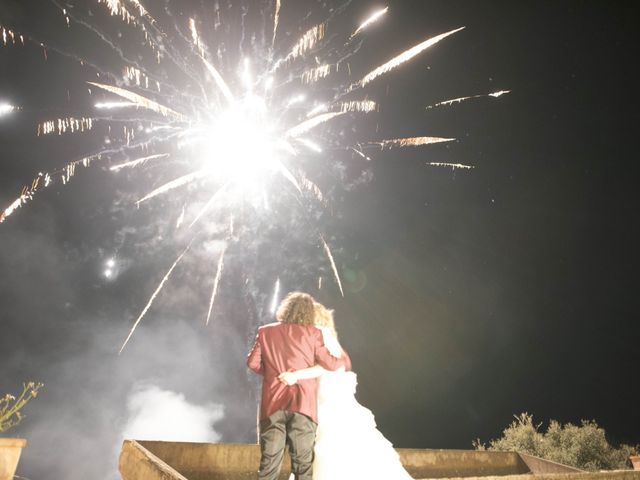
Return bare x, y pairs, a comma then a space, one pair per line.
470, 295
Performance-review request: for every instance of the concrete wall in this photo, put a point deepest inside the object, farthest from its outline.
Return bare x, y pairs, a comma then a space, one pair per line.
147, 460
137, 463
539, 466
604, 475
212, 461
421, 463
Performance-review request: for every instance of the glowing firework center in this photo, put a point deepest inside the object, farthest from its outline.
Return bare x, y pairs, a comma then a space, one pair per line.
239, 145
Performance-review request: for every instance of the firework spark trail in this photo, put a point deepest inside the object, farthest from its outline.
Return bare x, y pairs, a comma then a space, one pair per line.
313, 146
327, 250
153, 296
463, 99
276, 21
312, 123
208, 205
139, 100
195, 37
373, 18
409, 142
404, 57
180, 218
114, 105
315, 74
307, 42
152, 39
104, 37
286, 173
178, 182
64, 174
9, 35
363, 106
276, 296
17, 203
313, 188
222, 85
58, 50
216, 282
137, 162
64, 125
452, 165
138, 77
360, 153
117, 9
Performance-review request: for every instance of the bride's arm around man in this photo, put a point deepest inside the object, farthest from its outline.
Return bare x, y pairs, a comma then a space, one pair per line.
288, 414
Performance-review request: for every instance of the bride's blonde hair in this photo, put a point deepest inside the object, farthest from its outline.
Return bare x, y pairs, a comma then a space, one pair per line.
323, 317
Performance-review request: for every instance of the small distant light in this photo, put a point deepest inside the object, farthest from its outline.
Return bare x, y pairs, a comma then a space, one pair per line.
108, 273
111, 263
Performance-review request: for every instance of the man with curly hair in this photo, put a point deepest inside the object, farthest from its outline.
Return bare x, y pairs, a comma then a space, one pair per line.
288, 413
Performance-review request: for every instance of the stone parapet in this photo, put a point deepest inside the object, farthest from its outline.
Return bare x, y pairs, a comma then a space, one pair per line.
153, 460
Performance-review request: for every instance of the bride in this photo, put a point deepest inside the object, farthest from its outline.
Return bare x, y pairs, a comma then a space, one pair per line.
348, 444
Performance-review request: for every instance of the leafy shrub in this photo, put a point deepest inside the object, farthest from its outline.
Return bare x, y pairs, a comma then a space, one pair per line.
583, 446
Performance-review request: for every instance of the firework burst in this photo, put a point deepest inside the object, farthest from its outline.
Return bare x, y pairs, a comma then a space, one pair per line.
242, 127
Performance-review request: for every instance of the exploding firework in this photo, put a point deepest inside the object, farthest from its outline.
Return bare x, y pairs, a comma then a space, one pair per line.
245, 127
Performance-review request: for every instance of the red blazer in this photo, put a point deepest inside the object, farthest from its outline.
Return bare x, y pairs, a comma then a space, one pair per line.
285, 347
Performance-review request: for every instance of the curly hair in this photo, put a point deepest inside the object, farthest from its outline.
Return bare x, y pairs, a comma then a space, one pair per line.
324, 318
297, 307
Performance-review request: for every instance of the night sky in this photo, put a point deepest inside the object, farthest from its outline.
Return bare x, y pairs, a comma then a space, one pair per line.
470, 295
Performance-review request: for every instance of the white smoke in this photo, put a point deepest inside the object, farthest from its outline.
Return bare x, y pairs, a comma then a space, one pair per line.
156, 414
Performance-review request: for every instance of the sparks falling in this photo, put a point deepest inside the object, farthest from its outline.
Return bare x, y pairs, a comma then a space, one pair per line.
244, 130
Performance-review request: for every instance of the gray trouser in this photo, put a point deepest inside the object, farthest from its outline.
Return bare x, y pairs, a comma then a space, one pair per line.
281, 428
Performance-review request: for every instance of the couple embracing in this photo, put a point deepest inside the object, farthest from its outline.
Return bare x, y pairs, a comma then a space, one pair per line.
308, 401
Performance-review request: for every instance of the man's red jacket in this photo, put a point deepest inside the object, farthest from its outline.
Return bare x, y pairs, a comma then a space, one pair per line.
286, 347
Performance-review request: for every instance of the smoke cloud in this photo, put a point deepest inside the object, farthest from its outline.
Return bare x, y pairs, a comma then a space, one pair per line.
157, 414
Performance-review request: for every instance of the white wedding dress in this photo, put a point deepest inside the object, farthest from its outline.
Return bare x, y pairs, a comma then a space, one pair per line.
348, 444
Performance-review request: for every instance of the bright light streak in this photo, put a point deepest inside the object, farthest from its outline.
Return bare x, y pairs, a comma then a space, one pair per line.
153, 297
112, 105
321, 108
296, 99
327, 251
310, 145
373, 18
276, 297
471, 97
6, 109
405, 57
216, 282
247, 78
452, 165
